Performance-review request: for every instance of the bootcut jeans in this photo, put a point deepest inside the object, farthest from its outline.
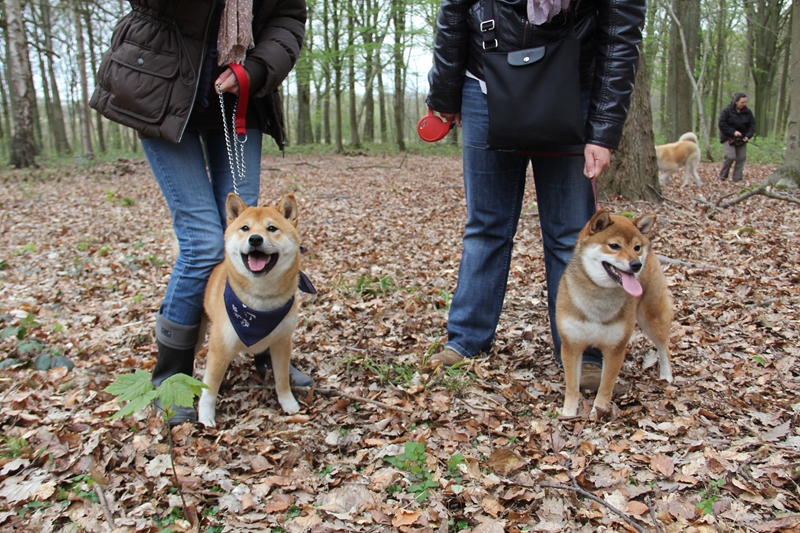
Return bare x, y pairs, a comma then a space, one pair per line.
494, 184
195, 178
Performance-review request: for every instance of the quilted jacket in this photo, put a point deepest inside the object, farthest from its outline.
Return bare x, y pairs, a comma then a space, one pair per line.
609, 31
149, 77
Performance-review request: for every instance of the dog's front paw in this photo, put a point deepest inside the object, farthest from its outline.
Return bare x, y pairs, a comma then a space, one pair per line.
289, 405
600, 412
206, 411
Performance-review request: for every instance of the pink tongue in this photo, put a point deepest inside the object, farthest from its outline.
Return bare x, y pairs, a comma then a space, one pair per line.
257, 262
631, 284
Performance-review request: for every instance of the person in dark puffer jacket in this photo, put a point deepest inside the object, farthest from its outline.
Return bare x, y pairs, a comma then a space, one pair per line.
161, 77
494, 181
736, 126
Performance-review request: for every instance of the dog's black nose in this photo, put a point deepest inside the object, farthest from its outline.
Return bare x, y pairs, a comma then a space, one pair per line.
256, 240
636, 266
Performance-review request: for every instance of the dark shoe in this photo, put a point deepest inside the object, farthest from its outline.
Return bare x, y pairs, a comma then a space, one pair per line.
263, 362
181, 414
724, 178
590, 376
173, 361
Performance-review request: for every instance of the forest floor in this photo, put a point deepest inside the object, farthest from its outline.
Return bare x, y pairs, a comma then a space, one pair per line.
382, 443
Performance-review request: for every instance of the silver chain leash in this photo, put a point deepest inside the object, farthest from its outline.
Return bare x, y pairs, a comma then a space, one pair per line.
236, 151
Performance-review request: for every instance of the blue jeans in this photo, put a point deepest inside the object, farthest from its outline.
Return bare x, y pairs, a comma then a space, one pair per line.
195, 178
494, 183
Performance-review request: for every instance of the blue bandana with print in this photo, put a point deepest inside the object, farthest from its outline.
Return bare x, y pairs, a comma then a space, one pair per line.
252, 325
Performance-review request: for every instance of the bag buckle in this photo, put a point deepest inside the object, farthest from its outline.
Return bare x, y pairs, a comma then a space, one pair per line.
493, 44
487, 25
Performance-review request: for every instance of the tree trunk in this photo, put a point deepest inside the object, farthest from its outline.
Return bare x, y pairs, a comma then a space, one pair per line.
382, 118
764, 23
721, 29
780, 124
355, 139
23, 146
371, 58
101, 141
337, 77
399, 17
58, 129
633, 173
85, 117
5, 124
679, 89
302, 72
789, 171
326, 99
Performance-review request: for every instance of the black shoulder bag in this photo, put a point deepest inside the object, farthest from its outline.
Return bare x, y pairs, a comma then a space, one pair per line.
534, 94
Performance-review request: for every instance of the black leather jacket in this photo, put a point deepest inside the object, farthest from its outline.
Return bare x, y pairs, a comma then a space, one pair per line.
610, 34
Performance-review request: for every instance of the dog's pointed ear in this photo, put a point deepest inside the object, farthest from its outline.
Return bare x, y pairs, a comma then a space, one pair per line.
234, 206
288, 208
600, 221
645, 223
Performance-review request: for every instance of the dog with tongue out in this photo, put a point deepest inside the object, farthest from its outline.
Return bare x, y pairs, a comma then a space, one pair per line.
251, 298
613, 281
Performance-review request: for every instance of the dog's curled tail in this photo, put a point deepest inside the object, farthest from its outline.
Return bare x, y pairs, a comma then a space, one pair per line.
689, 136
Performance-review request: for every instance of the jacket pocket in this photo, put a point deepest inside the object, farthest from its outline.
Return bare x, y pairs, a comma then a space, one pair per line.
141, 80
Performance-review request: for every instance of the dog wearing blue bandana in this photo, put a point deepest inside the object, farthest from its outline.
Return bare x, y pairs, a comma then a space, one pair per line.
251, 298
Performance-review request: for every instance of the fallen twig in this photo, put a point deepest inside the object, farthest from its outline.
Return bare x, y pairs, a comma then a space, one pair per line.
594, 498
763, 190
111, 525
652, 513
580, 490
355, 398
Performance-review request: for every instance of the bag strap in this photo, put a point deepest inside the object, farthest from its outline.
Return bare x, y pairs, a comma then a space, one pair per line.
488, 24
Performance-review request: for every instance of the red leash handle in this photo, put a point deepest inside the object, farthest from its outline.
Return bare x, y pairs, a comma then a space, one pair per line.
244, 95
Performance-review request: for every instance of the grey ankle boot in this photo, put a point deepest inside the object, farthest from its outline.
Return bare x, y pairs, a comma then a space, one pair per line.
176, 349
263, 361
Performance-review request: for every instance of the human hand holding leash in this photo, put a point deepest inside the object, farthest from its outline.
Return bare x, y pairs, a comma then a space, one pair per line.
226, 82
450, 117
598, 158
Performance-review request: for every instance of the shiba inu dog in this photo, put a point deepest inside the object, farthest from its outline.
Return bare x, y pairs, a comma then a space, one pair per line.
250, 298
613, 281
683, 153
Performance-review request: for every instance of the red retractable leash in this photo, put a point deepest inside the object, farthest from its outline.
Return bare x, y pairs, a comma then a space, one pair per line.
239, 123
431, 128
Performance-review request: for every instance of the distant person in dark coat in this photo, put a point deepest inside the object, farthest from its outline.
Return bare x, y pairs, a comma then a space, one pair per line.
736, 126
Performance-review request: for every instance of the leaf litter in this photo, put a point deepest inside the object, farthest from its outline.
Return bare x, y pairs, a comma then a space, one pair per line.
88, 253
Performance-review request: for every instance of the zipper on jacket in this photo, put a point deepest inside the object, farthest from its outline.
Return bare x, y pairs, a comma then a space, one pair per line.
525, 34
197, 77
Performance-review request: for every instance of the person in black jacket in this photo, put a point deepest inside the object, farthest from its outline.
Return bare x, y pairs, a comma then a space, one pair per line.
736, 127
167, 75
494, 181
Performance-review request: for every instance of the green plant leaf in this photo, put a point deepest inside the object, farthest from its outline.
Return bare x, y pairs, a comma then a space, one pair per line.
131, 386
134, 405
180, 390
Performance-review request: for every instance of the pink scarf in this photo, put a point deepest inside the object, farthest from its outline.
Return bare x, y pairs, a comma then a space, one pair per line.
541, 11
235, 31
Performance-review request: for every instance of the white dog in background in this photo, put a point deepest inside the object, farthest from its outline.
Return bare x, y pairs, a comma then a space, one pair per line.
683, 153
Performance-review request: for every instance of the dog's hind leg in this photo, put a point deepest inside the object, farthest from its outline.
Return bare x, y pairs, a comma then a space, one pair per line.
281, 355
655, 318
